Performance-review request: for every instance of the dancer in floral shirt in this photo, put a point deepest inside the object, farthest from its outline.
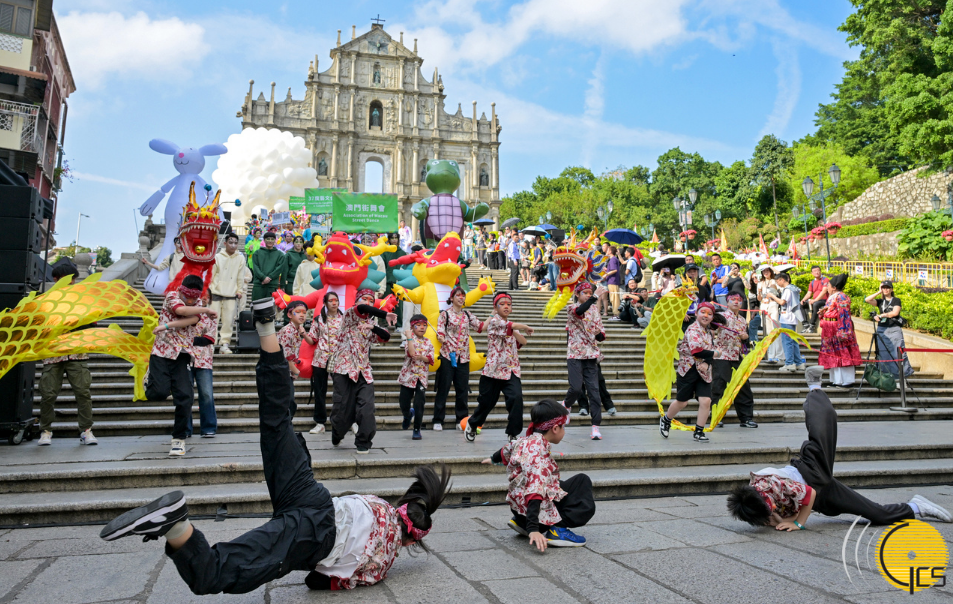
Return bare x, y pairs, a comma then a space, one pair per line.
730, 345
293, 333
324, 330
501, 374
453, 333
785, 497
696, 351
172, 354
344, 542
544, 507
350, 369
413, 375
583, 332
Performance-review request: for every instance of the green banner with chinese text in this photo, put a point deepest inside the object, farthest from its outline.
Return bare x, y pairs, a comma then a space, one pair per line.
365, 213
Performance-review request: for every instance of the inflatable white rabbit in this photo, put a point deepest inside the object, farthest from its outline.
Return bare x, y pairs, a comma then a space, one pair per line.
189, 163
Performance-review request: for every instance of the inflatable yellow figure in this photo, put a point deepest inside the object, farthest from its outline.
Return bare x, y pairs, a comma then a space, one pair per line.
40, 326
429, 283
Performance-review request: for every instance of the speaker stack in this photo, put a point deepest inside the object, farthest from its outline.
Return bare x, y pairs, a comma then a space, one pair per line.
21, 271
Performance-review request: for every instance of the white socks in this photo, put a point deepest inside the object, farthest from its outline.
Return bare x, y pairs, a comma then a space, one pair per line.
178, 529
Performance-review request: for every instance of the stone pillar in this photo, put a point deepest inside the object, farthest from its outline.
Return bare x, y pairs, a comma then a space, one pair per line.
414, 174
83, 261
271, 106
350, 163
334, 160
495, 169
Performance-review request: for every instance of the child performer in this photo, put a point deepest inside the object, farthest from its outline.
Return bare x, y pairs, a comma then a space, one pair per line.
583, 330
604, 393
728, 340
309, 531
413, 375
350, 369
544, 507
291, 335
203, 345
502, 370
784, 498
453, 333
324, 330
172, 355
695, 351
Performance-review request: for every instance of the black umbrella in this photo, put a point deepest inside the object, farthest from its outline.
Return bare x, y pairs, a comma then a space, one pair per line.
535, 231
483, 221
672, 261
510, 222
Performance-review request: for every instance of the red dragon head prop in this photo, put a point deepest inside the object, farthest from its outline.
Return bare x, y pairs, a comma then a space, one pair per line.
198, 233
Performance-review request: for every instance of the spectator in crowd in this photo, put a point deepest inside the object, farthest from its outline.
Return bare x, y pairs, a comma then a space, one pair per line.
839, 351
173, 263
468, 241
227, 288
406, 238
287, 242
526, 261
267, 264
664, 281
754, 308
613, 280
293, 259
479, 240
513, 257
634, 309
736, 284
253, 245
719, 280
634, 263
767, 296
889, 329
815, 298
789, 314
76, 369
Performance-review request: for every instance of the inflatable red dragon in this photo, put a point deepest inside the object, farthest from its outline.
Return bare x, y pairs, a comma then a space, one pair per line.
198, 232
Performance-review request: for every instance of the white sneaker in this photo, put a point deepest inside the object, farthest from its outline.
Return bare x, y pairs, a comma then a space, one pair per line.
178, 447
437, 427
928, 509
318, 429
354, 428
225, 349
87, 438
596, 435
46, 438
788, 369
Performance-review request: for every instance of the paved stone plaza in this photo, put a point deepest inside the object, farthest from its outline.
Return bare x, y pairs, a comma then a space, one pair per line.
640, 550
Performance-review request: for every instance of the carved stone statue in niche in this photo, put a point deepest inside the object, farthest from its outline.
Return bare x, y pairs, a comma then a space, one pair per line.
484, 178
322, 167
427, 115
375, 117
377, 73
423, 173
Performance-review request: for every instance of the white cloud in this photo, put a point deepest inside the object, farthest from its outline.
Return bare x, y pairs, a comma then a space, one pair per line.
789, 89
594, 107
104, 44
114, 181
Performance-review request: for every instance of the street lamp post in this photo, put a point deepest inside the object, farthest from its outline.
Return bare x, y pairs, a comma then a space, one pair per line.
78, 223
712, 221
808, 187
646, 231
938, 203
604, 212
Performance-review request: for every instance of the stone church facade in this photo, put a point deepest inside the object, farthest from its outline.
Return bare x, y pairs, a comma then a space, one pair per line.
373, 104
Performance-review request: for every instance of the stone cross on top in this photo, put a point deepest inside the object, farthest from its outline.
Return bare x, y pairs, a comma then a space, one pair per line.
378, 21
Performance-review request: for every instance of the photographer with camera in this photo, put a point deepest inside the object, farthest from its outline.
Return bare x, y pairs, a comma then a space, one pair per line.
633, 308
889, 328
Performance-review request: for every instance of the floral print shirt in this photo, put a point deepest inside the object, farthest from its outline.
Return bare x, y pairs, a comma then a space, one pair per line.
532, 475
413, 369
351, 354
382, 548
455, 328
696, 339
290, 340
502, 359
202, 355
73, 357
582, 332
175, 340
325, 333
786, 495
727, 344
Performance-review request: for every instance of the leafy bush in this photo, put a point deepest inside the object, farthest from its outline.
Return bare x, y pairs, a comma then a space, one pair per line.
921, 237
871, 228
925, 311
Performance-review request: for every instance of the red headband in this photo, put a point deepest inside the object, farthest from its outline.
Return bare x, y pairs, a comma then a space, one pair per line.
581, 286
414, 532
364, 292
547, 425
707, 305
418, 321
189, 292
500, 296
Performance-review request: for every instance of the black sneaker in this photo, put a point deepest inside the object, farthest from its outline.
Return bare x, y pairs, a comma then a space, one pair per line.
152, 520
336, 441
664, 425
700, 436
263, 310
749, 424
416, 435
469, 432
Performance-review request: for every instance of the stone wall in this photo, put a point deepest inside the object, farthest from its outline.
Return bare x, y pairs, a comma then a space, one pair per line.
905, 196
880, 244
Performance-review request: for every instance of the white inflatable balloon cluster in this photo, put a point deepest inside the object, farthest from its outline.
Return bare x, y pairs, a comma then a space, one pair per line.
264, 167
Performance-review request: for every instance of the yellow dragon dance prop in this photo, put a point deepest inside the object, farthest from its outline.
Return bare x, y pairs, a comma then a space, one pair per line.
574, 261
41, 326
661, 341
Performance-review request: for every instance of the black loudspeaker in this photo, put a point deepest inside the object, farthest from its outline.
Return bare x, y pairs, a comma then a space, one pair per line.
248, 341
246, 321
21, 267
48, 206
16, 393
20, 202
12, 293
21, 234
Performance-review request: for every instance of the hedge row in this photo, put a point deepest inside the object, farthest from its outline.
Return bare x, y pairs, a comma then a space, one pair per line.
926, 312
871, 228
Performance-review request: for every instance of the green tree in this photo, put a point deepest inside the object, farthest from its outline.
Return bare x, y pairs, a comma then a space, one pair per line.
103, 256
770, 163
810, 160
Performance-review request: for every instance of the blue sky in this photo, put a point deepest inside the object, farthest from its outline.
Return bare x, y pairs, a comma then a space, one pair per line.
597, 83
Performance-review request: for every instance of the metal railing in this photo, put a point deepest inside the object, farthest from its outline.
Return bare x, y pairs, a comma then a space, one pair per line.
11, 113
920, 274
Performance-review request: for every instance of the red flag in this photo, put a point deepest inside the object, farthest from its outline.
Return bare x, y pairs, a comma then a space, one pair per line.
762, 247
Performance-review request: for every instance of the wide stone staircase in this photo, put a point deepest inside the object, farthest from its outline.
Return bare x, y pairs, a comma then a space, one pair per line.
69, 483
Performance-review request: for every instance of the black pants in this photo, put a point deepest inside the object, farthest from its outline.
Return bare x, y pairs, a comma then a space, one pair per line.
353, 402
301, 531
319, 386
578, 506
490, 390
460, 377
815, 308
167, 376
514, 274
720, 376
603, 393
584, 374
415, 395
816, 465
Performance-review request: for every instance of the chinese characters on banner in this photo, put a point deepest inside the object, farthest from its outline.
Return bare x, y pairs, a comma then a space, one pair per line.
365, 213
317, 203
